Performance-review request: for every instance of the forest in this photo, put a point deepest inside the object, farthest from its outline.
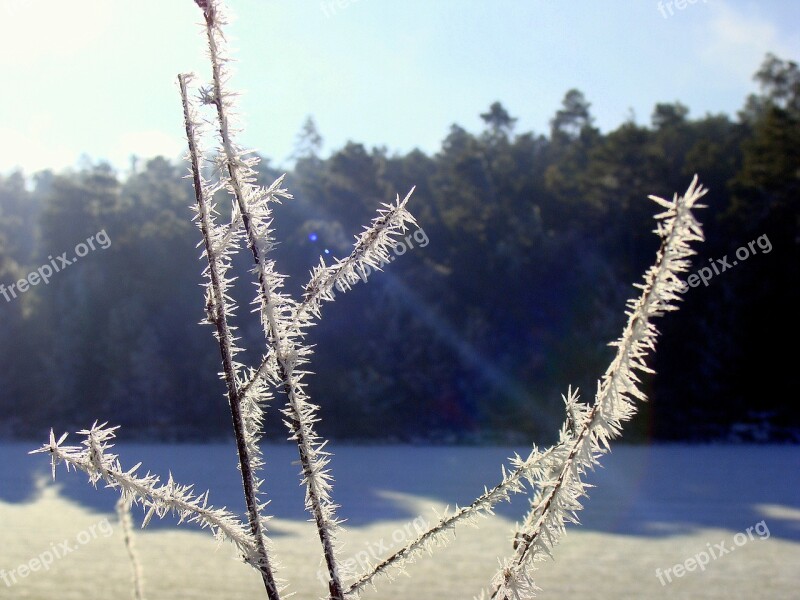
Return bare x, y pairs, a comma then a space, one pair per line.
509, 291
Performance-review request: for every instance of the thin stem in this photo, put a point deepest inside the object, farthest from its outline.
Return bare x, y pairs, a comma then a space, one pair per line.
218, 315
371, 243
613, 399
511, 483
158, 499
299, 422
123, 507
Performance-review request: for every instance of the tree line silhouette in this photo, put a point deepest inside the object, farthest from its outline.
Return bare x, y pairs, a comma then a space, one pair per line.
532, 241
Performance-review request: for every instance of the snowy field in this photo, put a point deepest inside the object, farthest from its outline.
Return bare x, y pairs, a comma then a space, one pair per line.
654, 507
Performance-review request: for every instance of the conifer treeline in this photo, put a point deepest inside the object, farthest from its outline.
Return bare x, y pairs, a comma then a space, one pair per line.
514, 285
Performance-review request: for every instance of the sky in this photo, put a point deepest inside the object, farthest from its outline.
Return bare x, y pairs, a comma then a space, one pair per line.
96, 79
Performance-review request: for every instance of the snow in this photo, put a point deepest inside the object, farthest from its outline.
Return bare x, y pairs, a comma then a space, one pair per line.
653, 507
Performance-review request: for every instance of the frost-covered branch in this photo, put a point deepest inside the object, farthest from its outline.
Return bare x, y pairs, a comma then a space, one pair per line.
436, 536
123, 508
588, 431
371, 249
246, 413
158, 499
275, 307
560, 466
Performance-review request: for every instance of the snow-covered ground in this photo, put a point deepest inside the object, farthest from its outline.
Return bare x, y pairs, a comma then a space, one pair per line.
653, 507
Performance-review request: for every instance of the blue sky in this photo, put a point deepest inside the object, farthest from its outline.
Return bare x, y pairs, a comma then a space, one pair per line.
97, 77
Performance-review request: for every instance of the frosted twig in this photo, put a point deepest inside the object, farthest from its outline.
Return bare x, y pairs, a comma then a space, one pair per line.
275, 308
159, 500
123, 508
587, 432
246, 418
483, 505
370, 250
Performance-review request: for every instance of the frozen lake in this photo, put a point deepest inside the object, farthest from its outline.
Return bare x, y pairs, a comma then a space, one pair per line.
653, 507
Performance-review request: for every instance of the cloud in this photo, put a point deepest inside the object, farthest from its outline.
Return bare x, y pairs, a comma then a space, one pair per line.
145, 144
27, 147
738, 40
48, 31
33, 150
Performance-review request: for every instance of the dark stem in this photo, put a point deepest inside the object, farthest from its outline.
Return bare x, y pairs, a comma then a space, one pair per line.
219, 317
523, 544
302, 437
